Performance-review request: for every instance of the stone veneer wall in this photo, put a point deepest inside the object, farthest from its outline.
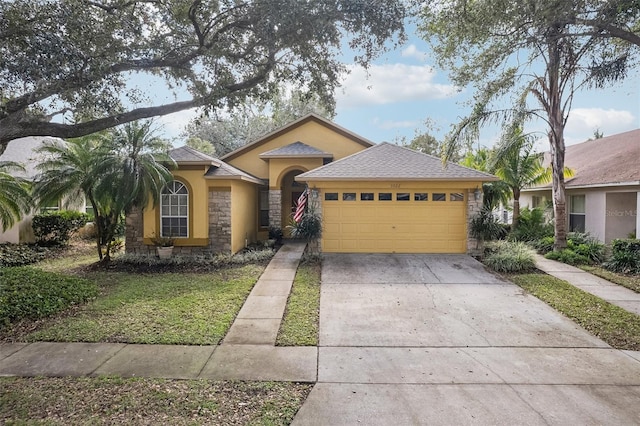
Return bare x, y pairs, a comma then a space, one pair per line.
133, 238
473, 208
275, 208
220, 221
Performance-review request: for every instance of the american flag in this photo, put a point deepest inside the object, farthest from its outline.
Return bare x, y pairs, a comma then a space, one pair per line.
300, 205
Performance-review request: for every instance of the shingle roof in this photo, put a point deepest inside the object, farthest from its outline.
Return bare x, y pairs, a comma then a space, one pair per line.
222, 170
613, 159
386, 161
186, 154
296, 149
606, 161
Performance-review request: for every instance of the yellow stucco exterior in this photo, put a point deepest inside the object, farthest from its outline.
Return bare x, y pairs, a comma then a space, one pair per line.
312, 132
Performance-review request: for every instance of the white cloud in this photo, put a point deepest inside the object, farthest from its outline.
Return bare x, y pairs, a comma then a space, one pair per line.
391, 124
583, 122
391, 83
412, 51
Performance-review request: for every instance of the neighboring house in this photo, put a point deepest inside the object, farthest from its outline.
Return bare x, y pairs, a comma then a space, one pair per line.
373, 198
603, 196
23, 151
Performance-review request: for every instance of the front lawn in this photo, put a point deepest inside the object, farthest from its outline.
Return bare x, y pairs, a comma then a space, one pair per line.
616, 326
171, 308
148, 401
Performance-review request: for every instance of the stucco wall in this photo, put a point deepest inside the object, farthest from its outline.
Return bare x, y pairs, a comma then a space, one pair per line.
311, 133
621, 214
244, 211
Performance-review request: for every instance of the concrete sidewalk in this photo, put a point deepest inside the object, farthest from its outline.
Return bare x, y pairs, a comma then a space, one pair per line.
247, 352
612, 293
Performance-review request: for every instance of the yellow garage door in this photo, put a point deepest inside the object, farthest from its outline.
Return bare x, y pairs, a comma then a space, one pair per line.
394, 222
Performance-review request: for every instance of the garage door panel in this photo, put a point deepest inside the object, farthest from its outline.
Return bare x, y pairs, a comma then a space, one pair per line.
394, 226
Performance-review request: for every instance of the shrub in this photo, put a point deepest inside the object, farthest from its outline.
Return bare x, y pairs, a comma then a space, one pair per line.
31, 293
54, 229
531, 226
20, 254
276, 234
510, 257
625, 256
544, 245
568, 256
309, 227
486, 227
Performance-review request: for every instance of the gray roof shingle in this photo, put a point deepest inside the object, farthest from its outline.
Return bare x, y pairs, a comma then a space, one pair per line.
186, 154
222, 170
296, 149
386, 161
610, 160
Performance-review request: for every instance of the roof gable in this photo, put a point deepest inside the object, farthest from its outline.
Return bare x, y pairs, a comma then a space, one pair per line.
289, 127
387, 161
187, 155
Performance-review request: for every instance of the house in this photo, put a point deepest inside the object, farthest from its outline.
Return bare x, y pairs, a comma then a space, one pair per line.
373, 198
22, 151
603, 196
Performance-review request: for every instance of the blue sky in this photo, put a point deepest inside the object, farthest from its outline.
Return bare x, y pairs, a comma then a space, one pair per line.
403, 91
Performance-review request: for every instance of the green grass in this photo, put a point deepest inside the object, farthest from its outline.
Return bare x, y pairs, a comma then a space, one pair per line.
108, 400
301, 320
616, 326
192, 309
632, 282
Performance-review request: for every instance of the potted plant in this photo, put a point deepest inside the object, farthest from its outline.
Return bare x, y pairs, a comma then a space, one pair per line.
164, 246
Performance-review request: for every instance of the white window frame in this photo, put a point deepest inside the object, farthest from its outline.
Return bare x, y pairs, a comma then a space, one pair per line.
170, 190
573, 213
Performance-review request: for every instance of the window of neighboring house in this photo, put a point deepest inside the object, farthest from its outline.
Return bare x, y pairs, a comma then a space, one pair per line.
536, 201
263, 207
88, 209
577, 213
174, 210
51, 207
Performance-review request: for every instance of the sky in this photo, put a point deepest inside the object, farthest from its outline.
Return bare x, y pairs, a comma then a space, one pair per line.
404, 91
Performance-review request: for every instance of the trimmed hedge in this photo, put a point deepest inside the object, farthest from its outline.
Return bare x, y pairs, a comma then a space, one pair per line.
27, 292
54, 229
508, 256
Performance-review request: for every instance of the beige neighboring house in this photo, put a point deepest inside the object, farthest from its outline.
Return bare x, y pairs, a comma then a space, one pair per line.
603, 197
23, 151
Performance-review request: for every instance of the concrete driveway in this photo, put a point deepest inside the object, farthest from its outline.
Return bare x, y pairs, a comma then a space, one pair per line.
436, 339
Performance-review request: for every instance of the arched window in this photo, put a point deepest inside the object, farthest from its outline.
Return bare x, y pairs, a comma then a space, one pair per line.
174, 210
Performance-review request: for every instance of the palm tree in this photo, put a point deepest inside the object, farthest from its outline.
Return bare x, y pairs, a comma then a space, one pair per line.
520, 167
70, 172
494, 193
15, 197
115, 171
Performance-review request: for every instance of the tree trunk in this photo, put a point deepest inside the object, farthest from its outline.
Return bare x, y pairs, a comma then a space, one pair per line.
556, 141
516, 208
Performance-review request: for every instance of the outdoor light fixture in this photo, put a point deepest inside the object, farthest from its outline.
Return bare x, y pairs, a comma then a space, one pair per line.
477, 194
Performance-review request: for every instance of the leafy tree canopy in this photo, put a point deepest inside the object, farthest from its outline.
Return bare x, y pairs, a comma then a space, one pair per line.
223, 132
79, 56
